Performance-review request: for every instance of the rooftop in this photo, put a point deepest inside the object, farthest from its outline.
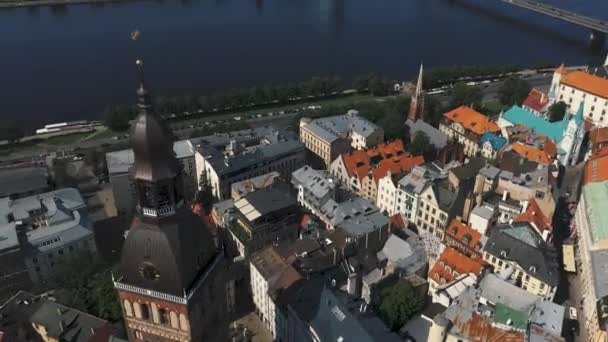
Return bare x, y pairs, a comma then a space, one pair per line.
472, 120
587, 82
23, 180
536, 154
264, 201
536, 217
596, 197
520, 243
452, 264
536, 100
230, 153
318, 182
436, 137
62, 217
121, 161
554, 130
338, 127
596, 169
242, 188
274, 269
388, 156
495, 141
466, 235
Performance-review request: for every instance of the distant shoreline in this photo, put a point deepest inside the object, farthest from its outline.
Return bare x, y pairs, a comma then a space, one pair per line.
41, 3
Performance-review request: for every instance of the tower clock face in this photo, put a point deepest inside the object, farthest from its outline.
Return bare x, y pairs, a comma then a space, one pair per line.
148, 271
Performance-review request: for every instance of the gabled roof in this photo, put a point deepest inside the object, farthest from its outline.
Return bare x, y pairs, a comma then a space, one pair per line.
520, 243
472, 120
465, 234
379, 160
543, 156
536, 217
436, 137
587, 82
536, 100
451, 264
554, 130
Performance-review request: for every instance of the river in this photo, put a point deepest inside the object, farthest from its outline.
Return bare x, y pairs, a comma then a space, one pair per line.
67, 63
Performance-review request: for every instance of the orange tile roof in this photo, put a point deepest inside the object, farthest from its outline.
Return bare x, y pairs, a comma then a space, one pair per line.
544, 156
534, 214
388, 156
596, 169
464, 233
456, 262
536, 100
472, 120
587, 82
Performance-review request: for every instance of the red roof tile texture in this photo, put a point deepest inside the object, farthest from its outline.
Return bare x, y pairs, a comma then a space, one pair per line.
472, 120
451, 264
464, 233
535, 215
536, 100
379, 160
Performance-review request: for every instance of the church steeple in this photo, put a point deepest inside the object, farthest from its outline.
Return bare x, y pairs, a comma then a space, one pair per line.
156, 171
417, 101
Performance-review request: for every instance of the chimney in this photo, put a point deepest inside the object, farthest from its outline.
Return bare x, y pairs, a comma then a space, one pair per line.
505, 194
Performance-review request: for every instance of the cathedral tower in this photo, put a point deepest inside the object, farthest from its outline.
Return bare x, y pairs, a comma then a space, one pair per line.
171, 281
417, 102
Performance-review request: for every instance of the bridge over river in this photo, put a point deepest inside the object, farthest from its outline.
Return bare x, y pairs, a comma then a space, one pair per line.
599, 28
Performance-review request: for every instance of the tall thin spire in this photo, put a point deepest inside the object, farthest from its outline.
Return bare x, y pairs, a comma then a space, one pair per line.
417, 101
144, 104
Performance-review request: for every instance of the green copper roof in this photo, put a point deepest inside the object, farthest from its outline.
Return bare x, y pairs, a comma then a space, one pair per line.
596, 199
511, 317
554, 130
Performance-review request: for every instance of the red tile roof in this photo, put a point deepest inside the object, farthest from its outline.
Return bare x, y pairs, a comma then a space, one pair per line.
596, 169
534, 214
388, 156
536, 100
464, 233
587, 82
452, 261
472, 120
397, 222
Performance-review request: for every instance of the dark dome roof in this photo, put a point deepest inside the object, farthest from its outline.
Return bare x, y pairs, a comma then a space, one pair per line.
168, 256
153, 149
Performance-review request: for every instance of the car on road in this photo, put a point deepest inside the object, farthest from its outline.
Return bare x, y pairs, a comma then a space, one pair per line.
573, 313
237, 118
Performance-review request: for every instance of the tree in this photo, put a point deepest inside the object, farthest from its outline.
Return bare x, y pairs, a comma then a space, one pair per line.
80, 284
557, 111
398, 304
117, 118
204, 196
465, 95
361, 83
10, 131
420, 145
513, 91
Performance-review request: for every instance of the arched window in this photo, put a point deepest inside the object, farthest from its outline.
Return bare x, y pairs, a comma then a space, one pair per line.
137, 309
128, 308
183, 322
145, 311
164, 316
155, 315
174, 320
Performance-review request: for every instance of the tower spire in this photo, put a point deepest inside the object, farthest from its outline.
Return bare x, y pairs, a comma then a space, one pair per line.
417, 101
144, 104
